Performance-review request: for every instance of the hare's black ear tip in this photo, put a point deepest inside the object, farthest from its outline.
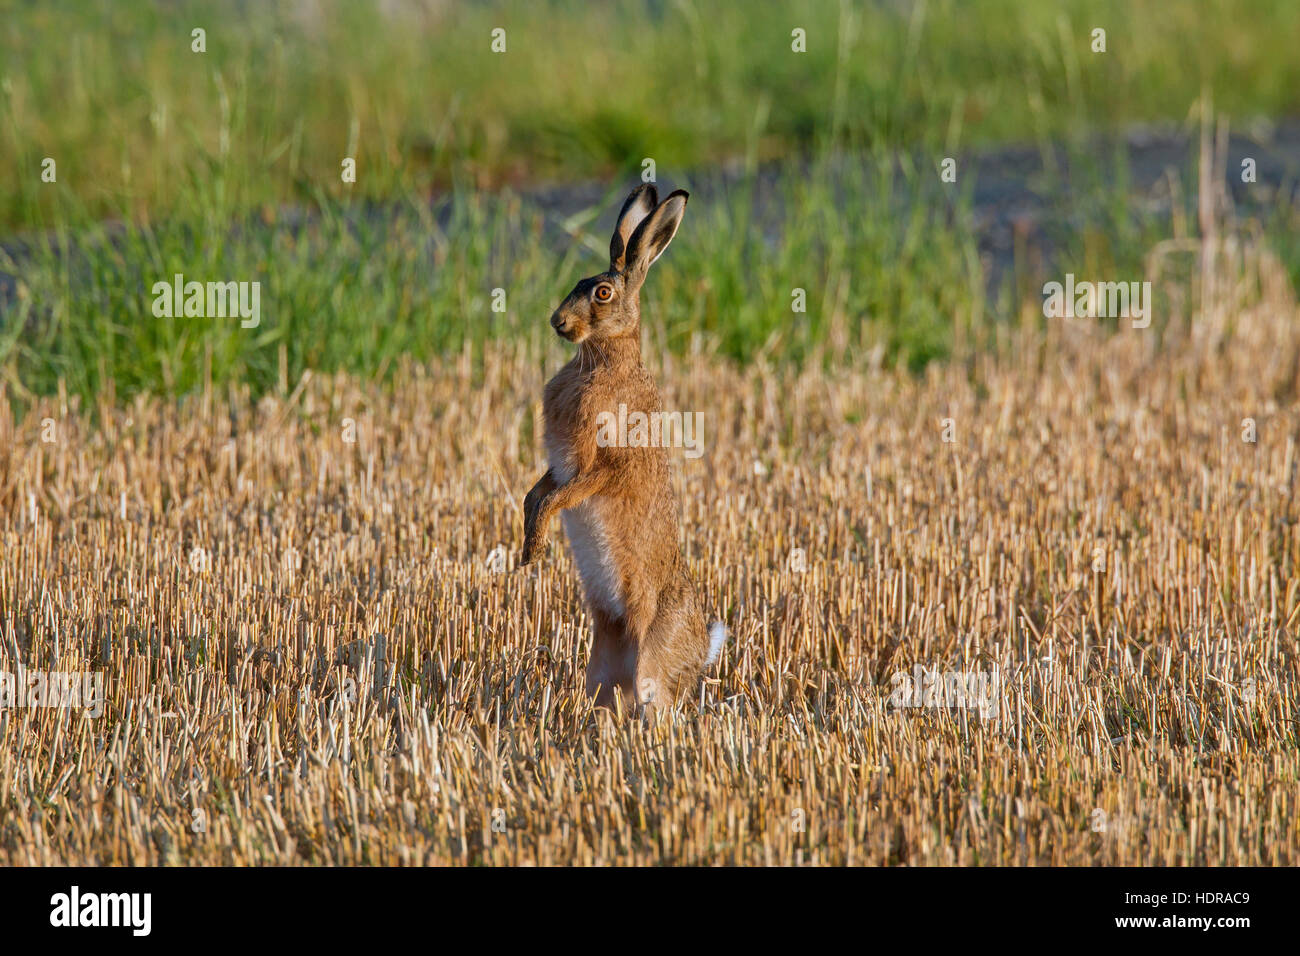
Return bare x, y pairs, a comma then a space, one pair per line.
679, 192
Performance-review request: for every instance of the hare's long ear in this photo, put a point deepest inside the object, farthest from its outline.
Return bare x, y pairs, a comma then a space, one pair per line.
639, 205
653, 235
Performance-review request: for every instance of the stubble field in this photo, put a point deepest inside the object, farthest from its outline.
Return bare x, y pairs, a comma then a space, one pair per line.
316, 647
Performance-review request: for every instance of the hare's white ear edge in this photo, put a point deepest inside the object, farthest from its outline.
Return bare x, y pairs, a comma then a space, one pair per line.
654, 233
639, 204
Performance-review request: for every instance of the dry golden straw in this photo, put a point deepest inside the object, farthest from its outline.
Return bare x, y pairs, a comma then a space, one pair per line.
308, 656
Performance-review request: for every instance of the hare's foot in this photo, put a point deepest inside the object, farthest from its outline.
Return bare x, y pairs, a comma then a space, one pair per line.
613, 661
672, 653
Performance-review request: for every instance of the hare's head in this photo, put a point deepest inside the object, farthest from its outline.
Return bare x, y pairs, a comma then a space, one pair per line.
608, 306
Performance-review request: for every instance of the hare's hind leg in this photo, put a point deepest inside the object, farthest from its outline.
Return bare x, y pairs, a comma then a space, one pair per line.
671, 656
613, 660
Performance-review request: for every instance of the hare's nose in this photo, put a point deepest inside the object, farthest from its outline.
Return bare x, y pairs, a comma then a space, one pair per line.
557, 322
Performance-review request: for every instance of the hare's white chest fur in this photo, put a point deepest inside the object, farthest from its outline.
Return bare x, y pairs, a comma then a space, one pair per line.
589, 542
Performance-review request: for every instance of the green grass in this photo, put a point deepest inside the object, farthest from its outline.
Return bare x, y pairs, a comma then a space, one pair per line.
172, 161
135, 120
356, 291
886, 257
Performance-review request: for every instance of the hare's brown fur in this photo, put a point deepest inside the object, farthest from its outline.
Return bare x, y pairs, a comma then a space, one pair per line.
616, 504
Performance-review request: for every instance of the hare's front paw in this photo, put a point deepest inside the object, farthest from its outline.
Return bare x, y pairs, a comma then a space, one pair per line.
533, 503
534, 550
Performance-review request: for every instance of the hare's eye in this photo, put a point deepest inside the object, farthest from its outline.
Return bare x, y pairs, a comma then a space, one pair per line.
604, 292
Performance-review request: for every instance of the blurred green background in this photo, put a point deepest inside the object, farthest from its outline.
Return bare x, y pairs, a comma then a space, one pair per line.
225, 165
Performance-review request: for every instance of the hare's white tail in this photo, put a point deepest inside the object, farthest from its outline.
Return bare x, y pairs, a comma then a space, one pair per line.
717, 637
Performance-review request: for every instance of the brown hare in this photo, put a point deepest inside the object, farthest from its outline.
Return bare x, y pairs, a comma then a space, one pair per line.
617, 505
